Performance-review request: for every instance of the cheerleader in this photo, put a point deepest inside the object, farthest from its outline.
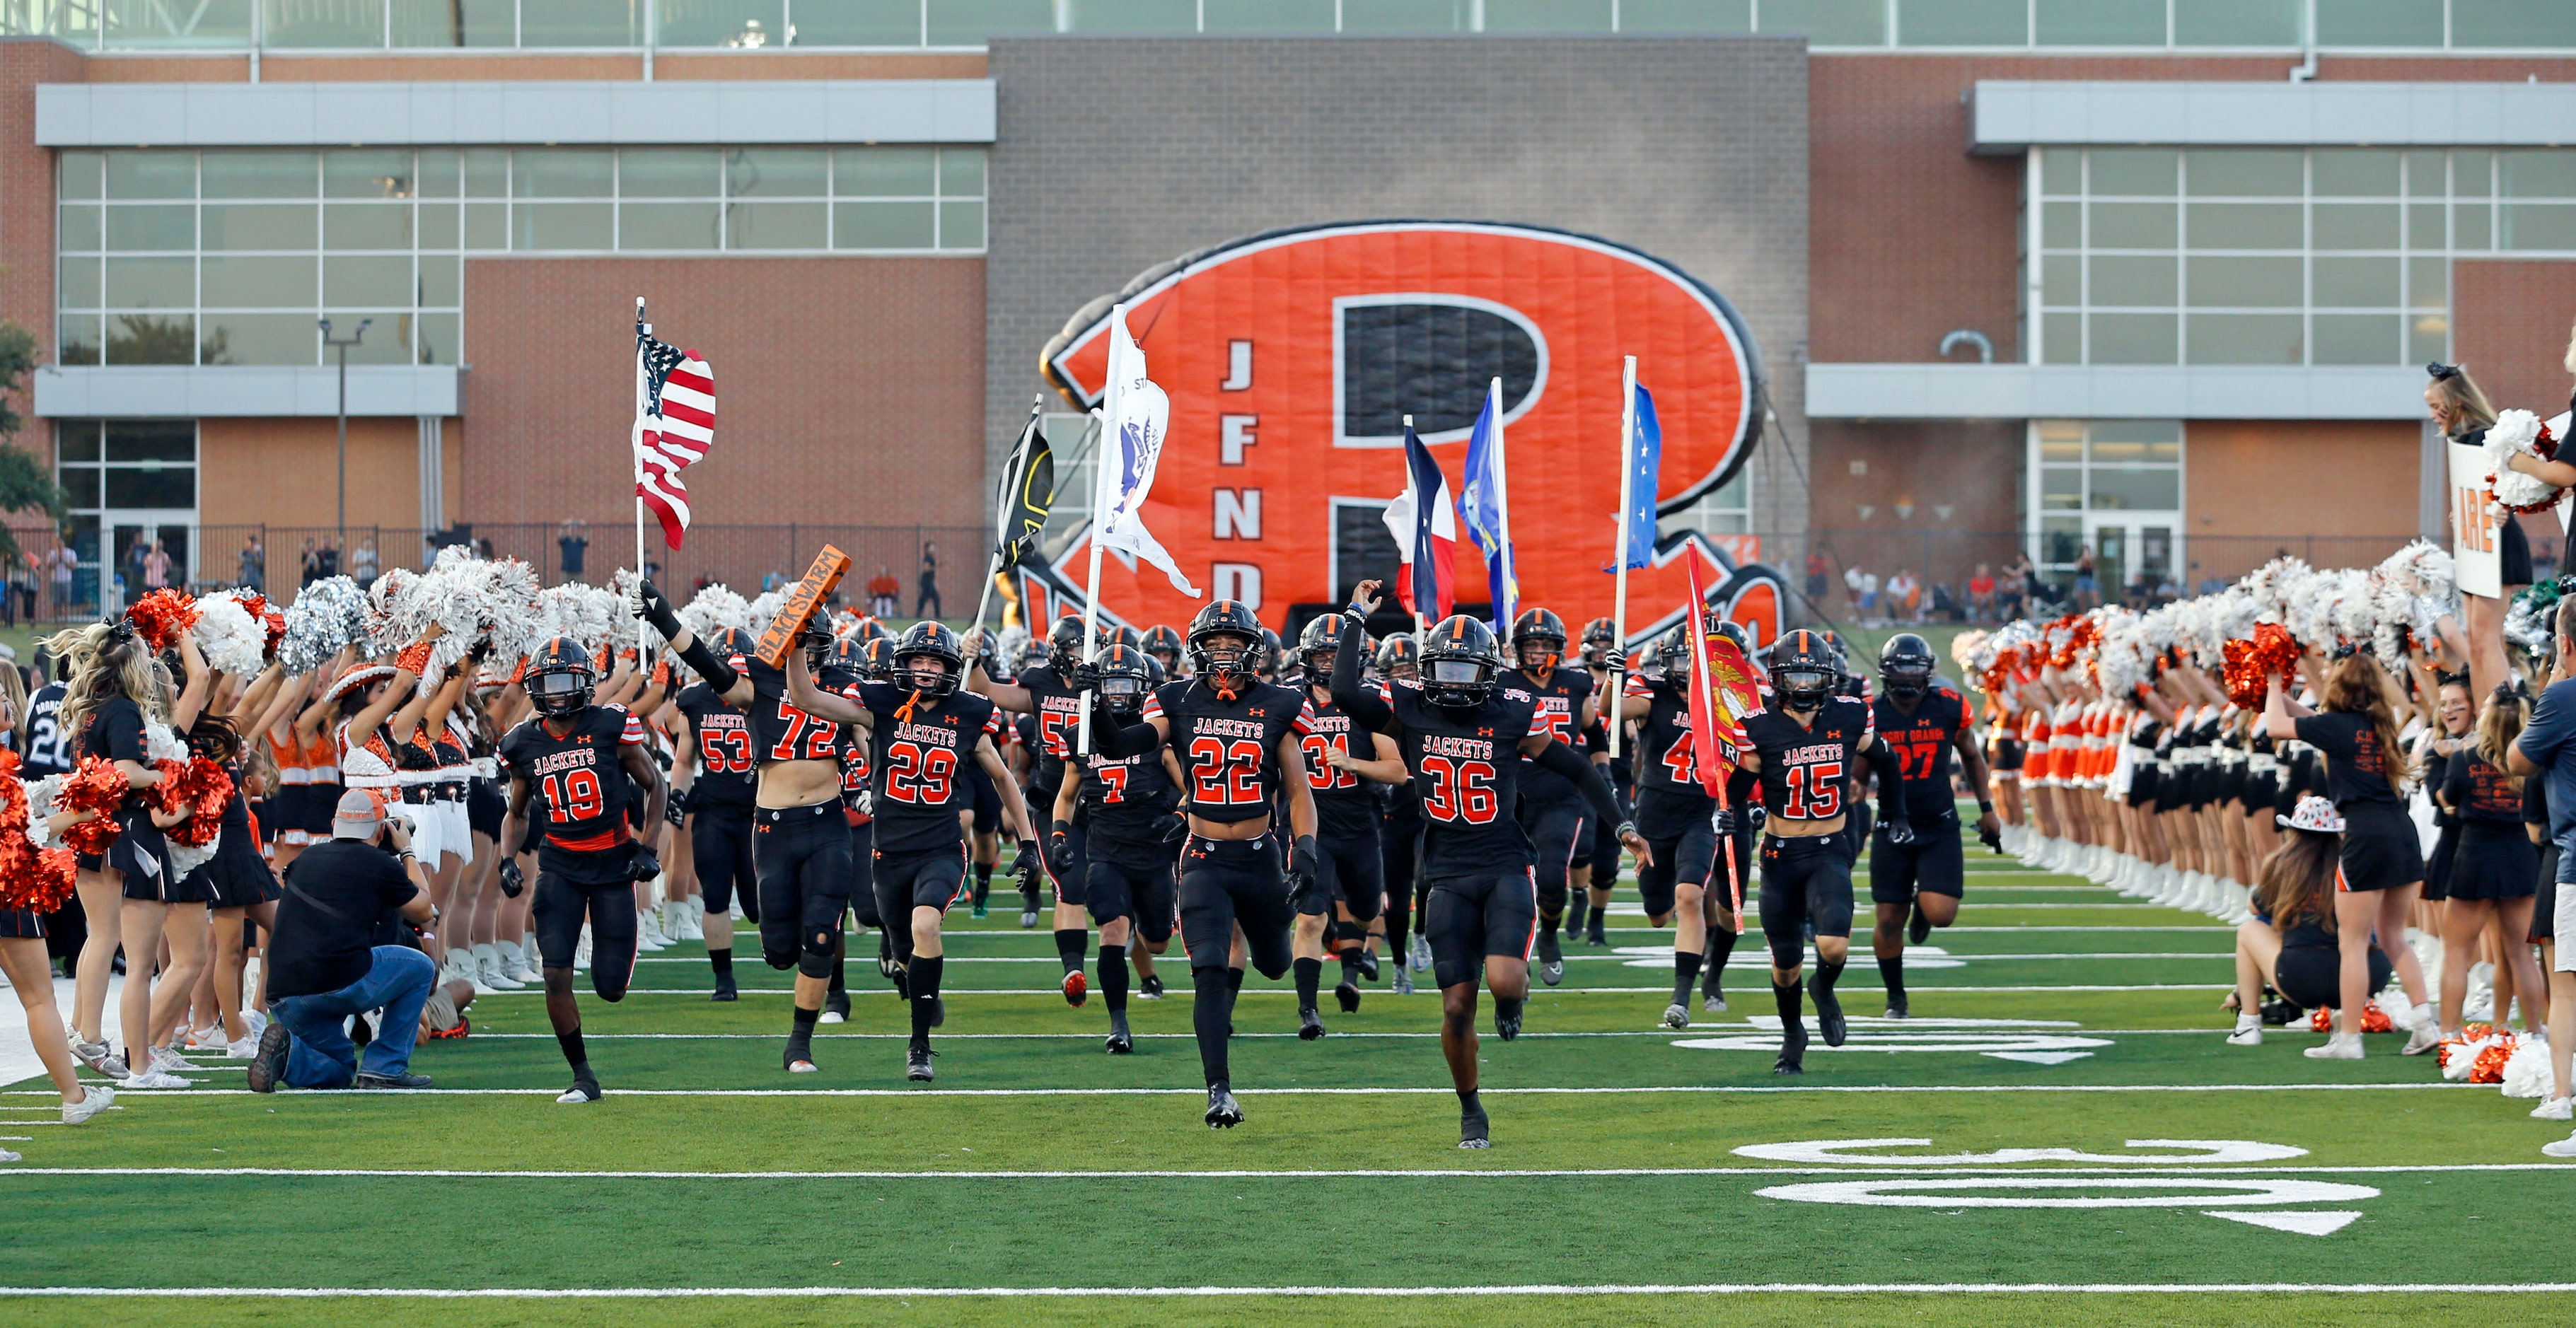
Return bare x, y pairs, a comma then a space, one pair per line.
2435, 753
238, 884
2463, 415
31, 973
2292, 942
2496, 869
2381, 866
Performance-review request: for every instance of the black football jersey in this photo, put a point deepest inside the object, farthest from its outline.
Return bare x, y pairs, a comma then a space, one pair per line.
1466, 769
921, 759
1667, 764
1054, 725
727, 771
1807, 768
1128, 804
1228, 749
1345, 805
577, 775
1923, 742
1559, 702
49, 745
780, 731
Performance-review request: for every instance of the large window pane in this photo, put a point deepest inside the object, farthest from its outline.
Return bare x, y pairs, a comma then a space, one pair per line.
265, 282
366, 225
857, 22
2137, 281
366, 173
668, 173
581, 22
374, 279
970, 22
1963, 23
166, 486
2225, 282
776, 173
439, 341
151, 175
2358, 338
262, 339
487, 226
2245, 173
2513, 24
2062, 338
151, 283
2428, 338
2356, 225
134, 25
1547, 15
1273, 15
961, 225
882, 225
151, 339
2424, 228
439, 174
2061, 488
257, 174
884, 172
163, 226
667, 225
2471, 227
1676, 15
775, 226
2133, 225
2061, 171
438, 226
2544, 174
1406, 16
487, 172
2061, 279
80, 486
2244, 225
77, 228
961, 172
387, 342
2356, 282
442, 280
76, 281
2237, 22
2061, 225
2101, 22
2242, 339
2135, 488
2428, 282
2146, 172
2539, 226
259, 225
2379, 22
455, 23
563, 226
2133, 339
563, 173
2352, 173
1825, 22
323, 23
748, 24
77, 175
1132, 15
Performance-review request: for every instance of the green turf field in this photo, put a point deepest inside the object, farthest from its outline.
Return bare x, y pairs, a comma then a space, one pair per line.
2058, 1133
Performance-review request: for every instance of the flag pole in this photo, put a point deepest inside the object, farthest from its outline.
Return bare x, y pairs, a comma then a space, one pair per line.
642, 330
1508, 610
1099, 514
1003, 510
1619, 601
1421, 624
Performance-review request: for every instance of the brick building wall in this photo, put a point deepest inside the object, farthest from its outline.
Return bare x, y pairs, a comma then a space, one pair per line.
1118, 154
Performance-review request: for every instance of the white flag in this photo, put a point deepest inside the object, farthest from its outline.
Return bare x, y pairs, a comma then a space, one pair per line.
1131, 442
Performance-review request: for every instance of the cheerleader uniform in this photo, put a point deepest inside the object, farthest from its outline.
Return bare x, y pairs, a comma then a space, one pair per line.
2262, 776
2003, 748
2146, 773
2446, 823
416, 776
453, 770
368, 764
2310, 968
2496, 860
2380, 847
237, 876
323, 786
287, 803
115, 732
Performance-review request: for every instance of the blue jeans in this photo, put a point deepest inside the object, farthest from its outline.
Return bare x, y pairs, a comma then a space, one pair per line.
321, 1055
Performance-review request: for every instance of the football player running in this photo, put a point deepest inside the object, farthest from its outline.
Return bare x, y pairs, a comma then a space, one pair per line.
1922, 722
570, 754
711, 783
1343, 761
1460, 732
1551, 811
1678, 817
1129, 802
1046, 693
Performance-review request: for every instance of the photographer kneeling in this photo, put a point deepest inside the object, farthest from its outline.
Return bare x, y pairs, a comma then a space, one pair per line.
326, 964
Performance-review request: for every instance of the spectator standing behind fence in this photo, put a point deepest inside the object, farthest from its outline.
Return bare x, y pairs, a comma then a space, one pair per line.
325, 964
63, 562
156, 567
362, 563
926, 603
1905, 596
1981, 594
254, 564
885, 593
1818, 572
574, 548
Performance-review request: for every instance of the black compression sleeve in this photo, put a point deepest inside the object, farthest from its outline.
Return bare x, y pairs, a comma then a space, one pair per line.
719, 674
1351, 692
1740, 783
1891, 780
1113, 737
1561, 759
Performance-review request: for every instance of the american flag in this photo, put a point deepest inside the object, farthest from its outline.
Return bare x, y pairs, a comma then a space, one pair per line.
675, 424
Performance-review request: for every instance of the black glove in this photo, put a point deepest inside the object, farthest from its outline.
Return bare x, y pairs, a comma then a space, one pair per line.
1059, 852
1722, 821
1993, 839
1755, 816
1024, 871
675, 806
1085, 677
654, 607
1894, 826
512, 879
1303, 865
645, 866
1614, 659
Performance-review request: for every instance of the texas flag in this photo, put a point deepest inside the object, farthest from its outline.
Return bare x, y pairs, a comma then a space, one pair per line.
1424, 521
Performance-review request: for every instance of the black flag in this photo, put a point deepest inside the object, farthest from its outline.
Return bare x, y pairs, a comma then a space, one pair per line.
1027, 490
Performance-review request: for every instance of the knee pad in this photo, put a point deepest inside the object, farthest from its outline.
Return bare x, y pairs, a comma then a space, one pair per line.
815, 960
1350, 933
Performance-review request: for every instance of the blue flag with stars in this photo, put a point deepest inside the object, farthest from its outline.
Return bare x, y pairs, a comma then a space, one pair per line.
1645, 467
1487, 506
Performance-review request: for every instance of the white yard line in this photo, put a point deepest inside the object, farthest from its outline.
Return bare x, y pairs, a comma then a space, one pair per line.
1707, 1089
1319, 1173
1362, 1292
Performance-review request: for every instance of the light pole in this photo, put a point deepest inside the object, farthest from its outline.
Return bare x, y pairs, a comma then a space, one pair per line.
341, 547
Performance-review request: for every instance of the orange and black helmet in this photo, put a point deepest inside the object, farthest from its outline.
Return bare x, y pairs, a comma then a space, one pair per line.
560, 679
1804, 669
1460, 662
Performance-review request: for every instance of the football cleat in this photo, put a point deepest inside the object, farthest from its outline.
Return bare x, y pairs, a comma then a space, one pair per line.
1349, 995
836, 1008
1223, 1113
916, 1063
725, 990
1597, 936
1507, 1018
1403, 984
1368, 965
1310, 1025
1151, 989
1712, 1002
1121, 1042
1551, 971
1793, 1050
1918, 928
1474, 1130
1421, 956
1677, 1015
1829, 1013
800, 1065
582, 1091
1896, 1008
938, 1012
1077, 989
